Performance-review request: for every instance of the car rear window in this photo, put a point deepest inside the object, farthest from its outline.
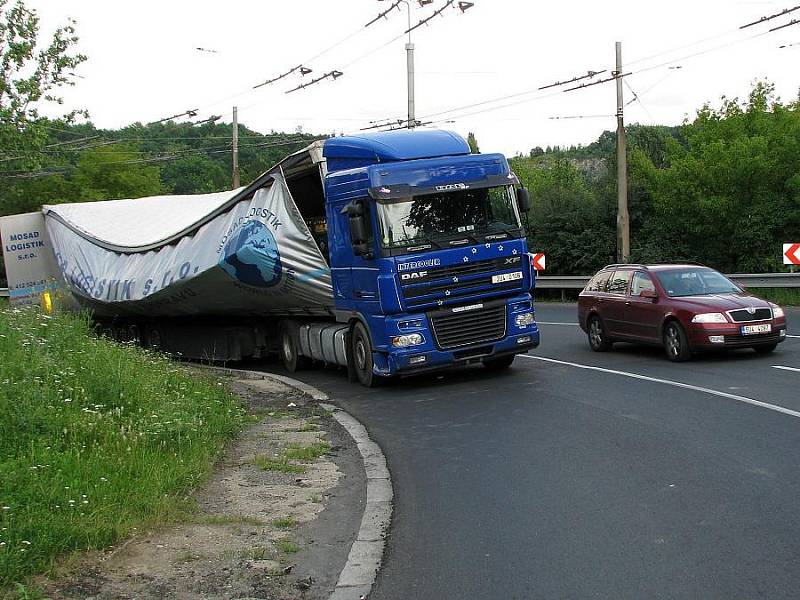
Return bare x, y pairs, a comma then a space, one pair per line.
598, 282
618, 284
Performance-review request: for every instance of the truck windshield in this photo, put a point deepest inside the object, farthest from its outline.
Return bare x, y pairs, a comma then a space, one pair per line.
446, 216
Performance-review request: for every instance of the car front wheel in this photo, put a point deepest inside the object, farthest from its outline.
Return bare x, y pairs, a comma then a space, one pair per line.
676, 344
596, 332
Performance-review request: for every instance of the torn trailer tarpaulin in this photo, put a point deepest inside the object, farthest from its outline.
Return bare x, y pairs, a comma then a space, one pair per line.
232, 253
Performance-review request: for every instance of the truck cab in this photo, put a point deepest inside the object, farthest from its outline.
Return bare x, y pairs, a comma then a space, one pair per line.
428, 254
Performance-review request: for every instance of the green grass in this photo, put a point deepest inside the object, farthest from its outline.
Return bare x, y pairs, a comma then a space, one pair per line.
781, 296
284, 522
306, 453
279, 464
287, 546
96, 439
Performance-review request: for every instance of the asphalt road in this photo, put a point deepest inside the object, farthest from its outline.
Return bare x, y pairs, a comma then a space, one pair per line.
557, 481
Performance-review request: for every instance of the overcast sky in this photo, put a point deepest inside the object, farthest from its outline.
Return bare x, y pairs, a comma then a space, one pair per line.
143, 63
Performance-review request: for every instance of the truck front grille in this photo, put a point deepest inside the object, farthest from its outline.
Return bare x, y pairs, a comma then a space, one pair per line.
471, 324
446, 284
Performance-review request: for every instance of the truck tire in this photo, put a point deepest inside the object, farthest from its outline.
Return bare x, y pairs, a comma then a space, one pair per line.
362, 356
289, 347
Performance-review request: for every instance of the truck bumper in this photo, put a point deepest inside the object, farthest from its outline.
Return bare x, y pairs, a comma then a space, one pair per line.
429, 356
411, 362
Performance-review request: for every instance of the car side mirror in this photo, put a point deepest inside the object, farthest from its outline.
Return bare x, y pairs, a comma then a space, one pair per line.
523, 200
651, 294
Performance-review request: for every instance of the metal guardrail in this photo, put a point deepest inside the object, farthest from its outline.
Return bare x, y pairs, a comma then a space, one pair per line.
750, 280
578, 282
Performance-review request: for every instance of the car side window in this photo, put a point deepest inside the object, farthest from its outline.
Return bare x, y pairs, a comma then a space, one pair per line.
598, 282
618, 284
641, 281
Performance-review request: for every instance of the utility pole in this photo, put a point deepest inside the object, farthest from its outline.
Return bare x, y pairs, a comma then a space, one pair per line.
623, 221
412, 118
235, 147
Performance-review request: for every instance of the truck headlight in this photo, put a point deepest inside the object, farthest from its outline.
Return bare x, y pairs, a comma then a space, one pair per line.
777, 311
709, 318
405, 341
524, 319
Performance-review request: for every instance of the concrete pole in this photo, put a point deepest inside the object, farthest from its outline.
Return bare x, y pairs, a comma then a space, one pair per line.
235, 147
623, 221
412, 119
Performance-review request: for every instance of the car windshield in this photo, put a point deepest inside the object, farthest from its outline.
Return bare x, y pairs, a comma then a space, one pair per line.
463, 213
695, 281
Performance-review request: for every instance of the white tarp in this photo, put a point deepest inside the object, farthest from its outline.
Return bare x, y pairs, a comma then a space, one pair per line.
256, 258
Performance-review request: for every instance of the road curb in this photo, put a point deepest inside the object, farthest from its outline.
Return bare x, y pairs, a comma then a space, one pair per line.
366, 554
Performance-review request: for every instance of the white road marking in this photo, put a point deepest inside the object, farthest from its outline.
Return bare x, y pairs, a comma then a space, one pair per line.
794, 337
786, 368
552, 323
745, 399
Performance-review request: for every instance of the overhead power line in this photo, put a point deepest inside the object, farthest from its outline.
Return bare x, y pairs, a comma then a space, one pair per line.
330, 74
589, 75
785, 25
785, 11
437, 12
384, 13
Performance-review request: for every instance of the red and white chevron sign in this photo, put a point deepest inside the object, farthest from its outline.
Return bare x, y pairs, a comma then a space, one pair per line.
791, 254
537, 261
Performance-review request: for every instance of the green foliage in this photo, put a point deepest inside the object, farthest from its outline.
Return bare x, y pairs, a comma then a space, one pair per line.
31, 75
723, 189
96, 438
110, 173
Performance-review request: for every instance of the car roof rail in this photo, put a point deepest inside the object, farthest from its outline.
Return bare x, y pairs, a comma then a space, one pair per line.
635, 265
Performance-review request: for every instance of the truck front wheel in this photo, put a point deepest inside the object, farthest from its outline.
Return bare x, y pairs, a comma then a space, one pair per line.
290, 347
362, 356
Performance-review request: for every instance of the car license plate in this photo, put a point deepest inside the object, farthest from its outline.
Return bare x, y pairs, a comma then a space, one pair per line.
506, 277
751, 329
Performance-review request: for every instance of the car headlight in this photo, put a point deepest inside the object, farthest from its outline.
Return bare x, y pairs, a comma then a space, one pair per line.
404, 341
709, 318
777, 311
524, 319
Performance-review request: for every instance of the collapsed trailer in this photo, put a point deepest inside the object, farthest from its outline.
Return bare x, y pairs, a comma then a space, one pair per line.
390, 253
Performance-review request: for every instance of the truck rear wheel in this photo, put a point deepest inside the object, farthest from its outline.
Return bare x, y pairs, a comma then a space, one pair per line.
362, 356
290, 347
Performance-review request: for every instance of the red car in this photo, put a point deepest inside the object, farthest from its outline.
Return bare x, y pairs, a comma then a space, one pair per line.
684, 308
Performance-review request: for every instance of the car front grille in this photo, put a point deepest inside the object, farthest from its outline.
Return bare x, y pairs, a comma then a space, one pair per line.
742, 315
462, 326
738, 340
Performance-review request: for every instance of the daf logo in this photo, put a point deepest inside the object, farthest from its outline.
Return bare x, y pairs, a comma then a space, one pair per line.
751, 310
410, 276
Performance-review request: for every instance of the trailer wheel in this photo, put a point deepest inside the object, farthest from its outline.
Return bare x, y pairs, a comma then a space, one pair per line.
290, 347
362, 356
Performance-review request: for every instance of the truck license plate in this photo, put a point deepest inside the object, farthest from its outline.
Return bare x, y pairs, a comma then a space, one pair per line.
507, 277
750, 329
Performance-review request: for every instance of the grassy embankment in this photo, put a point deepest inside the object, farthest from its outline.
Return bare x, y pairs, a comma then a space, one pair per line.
96, 439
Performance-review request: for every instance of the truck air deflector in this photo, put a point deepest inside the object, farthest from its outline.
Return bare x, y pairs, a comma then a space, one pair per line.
404, 191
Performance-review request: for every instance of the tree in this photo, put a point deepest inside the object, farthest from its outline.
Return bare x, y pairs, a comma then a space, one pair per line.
114, 172
31, 75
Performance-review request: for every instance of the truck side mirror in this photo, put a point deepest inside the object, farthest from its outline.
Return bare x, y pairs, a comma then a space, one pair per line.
523, 200
357, 221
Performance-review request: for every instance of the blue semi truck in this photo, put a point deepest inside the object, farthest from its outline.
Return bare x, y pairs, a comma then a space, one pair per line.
428, 254
389, 254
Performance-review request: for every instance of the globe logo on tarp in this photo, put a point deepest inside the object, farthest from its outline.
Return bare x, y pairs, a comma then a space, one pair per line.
252, 256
